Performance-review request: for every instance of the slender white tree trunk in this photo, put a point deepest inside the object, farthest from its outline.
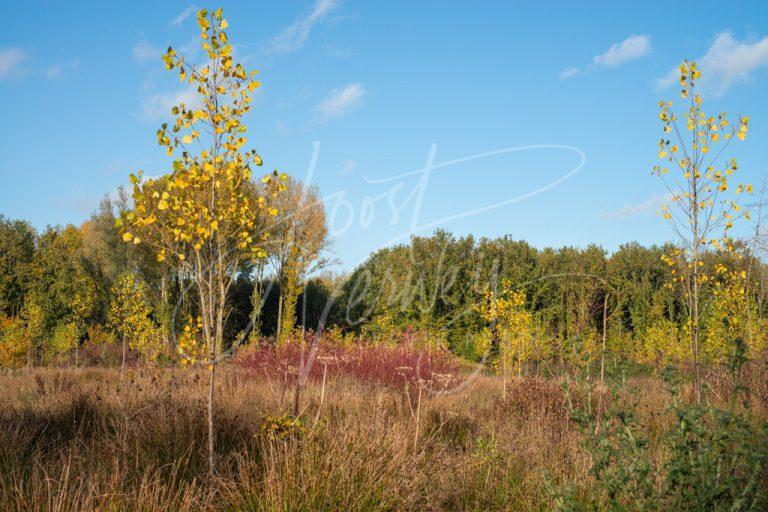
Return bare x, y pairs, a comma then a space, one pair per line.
122, 362
602, 356
211, 433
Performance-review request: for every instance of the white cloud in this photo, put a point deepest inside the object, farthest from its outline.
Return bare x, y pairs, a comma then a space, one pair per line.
59, 71
568, 73
54, 72
116, 166
10, 58
78, 203
158, 106
340, 51
347, 166
144, 52
630, 210
183, 15
631, 48
341, 101
293, 37
726, 62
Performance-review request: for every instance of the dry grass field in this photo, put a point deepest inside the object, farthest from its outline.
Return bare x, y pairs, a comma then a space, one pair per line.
75, 439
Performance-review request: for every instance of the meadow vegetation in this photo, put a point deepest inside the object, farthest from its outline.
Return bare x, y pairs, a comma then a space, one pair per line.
79, 440
187, 348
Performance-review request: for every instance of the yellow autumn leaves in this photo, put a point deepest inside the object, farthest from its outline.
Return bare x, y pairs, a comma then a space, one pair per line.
208, 194
128, 237
702, 180
702, 216
188, 346
743, 127
513, 326
732, 314
130, 315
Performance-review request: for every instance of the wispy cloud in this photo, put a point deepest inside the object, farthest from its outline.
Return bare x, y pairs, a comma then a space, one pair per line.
631, 48
10, 59
144, 52
654, 203
568, 73
118, 165
183, 15
726, 62
340, 51
295, 36
282, 127
158, 106
340, 102
347, 166
59, 71
78, 203
55, 72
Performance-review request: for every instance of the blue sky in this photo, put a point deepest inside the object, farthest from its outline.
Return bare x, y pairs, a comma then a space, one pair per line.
374, 89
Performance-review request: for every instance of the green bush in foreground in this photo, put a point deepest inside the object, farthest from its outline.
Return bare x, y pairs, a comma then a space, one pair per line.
711, 459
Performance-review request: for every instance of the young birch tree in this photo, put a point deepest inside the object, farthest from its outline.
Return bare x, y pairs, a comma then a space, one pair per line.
130, 317
300, 237
510, 332
699, 214
203, 217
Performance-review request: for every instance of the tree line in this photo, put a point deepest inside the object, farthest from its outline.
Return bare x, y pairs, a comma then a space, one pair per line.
64, 288
69, 287
440, 283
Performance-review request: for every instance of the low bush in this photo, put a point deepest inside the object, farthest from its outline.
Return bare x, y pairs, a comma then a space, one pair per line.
392, 365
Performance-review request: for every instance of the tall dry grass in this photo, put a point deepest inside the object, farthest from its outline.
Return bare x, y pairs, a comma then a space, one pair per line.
73, 440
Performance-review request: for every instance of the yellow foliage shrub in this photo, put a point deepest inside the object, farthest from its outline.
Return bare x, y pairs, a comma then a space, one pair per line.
14, 342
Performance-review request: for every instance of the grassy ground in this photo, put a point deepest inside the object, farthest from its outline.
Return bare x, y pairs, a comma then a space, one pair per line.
77, 440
